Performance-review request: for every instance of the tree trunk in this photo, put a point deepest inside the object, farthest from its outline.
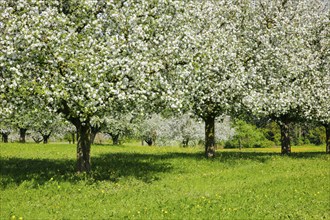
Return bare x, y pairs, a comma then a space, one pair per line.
22, 134
83, 131
94, 131
73, 135
115, 139
83, 147
5, 136
285, 137
209, 137
327, 137
45, 138
148, 141
185, 142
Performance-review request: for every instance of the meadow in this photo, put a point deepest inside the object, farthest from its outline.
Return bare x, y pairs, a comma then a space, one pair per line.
140, 182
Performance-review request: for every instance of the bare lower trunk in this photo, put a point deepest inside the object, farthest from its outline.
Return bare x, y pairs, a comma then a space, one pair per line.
83, 131
83, 147
5, 136
22, 134
185, 142
73, 135
209, 137
285, 138
148, 141
327, 135
115, 139
45, 137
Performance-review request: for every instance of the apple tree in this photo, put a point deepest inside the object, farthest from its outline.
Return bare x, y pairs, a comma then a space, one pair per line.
211, 60
282, 69
83, 58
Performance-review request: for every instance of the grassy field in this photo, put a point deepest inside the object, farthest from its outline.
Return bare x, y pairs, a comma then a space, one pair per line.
136, 182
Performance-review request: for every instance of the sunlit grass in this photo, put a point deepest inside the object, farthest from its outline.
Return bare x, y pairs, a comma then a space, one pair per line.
141, 182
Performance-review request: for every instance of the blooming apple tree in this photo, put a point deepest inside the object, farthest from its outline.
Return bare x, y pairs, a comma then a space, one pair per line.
211, 60
84, 57
282, 67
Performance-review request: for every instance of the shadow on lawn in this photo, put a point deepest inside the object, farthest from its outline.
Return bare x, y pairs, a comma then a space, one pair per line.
109, 167
114, 166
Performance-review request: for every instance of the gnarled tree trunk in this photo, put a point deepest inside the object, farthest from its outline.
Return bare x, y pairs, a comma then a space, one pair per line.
45, 136
209, 137
115, 139
22, 134
148, 141
83, 130
83, 146
5, 136
285, 137
185, 142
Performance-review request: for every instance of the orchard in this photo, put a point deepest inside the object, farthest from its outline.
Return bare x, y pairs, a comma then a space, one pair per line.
107, 63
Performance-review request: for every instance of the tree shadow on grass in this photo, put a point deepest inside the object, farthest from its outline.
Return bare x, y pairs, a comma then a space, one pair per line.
111, 167
15, 171
114, 166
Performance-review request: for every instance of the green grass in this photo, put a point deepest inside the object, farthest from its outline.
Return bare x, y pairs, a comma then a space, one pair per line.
135, 182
